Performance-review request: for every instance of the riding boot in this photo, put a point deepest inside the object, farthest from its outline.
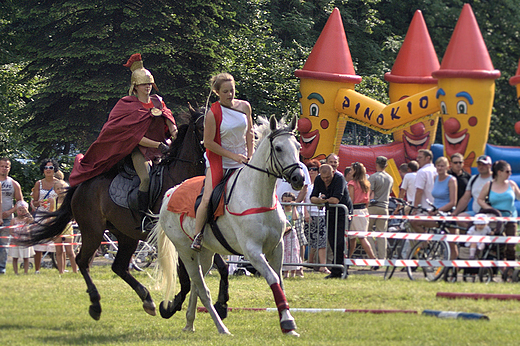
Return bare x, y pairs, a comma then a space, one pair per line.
142, 202
197, 242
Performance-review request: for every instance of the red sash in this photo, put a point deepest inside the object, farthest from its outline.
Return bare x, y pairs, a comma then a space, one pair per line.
215, 160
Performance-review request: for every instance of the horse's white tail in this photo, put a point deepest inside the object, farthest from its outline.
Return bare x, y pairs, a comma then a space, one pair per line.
167, 259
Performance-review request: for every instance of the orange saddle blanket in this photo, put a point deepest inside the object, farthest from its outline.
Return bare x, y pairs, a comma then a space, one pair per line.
182, 200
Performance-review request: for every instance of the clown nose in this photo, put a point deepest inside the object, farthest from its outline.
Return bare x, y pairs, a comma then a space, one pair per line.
304, 125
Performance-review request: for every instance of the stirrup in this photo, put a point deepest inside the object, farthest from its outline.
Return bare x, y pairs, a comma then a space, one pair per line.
196, 245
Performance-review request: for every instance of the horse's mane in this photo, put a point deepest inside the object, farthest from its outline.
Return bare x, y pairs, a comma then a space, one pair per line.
262, 128
176, 145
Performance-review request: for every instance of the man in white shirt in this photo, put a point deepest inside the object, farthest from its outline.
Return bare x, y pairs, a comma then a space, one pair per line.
407, 189
424, 179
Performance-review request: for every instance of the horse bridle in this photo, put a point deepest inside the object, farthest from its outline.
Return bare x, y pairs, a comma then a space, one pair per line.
280, 171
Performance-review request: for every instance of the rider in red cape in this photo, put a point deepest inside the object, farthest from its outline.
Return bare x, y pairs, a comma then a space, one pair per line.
138, 125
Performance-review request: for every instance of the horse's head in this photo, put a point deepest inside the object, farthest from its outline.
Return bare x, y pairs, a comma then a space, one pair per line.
284, 153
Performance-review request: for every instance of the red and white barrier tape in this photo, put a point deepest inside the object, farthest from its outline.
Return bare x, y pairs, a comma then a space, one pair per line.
437, 218
451, 238
426, 263
315, 310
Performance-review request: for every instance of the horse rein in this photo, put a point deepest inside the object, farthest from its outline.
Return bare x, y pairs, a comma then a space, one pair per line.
286, 172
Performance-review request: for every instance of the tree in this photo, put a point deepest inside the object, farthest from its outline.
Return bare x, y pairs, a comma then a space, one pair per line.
78, 48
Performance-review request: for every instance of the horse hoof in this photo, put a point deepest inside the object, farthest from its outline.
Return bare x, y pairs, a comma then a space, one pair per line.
292, 333
166, 312
287, 325
221, 310
149, 307
188, 329
95, 312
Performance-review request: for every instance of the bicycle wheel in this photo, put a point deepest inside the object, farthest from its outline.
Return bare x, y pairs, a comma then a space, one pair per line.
395, 253
428, 251
144, 256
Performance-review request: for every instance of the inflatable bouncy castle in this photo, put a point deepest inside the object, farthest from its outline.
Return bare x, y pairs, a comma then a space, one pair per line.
456, 95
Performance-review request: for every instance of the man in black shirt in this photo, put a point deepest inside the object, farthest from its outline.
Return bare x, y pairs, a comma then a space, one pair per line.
457, 170
331, 188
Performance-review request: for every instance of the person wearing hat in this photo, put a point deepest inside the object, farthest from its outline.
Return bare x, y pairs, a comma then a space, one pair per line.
480, 227
473, 188
380, 187
136, 126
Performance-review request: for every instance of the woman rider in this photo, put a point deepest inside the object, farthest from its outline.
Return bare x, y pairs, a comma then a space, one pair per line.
228, 139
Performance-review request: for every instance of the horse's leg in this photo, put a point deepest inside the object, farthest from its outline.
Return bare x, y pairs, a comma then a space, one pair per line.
223, 292
90, 243
199, 287
176, 304
126, 249
258, 260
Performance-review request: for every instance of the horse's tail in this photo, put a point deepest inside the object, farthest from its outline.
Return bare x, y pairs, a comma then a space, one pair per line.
167, 259
50, 224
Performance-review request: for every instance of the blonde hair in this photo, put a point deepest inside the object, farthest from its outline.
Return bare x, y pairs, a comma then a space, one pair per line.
442, 159
61, 182
221, 78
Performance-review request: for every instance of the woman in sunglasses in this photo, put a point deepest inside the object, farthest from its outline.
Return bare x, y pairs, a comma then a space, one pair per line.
43, 195
501, 193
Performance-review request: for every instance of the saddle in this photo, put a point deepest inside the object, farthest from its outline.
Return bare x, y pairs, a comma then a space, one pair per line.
187, 197
123, 188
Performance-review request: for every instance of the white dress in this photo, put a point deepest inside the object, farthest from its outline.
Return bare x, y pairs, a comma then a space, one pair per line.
20, 251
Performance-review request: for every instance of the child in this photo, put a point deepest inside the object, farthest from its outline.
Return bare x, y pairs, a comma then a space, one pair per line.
480, 227
291, 251
23, 217
60, 186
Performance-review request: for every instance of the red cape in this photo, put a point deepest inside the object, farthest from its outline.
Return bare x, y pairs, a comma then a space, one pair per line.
126, 126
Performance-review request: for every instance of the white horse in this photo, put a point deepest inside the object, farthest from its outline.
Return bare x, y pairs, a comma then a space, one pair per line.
252, 224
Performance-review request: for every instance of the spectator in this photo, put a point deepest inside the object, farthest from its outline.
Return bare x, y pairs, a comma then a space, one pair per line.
457, 170
347, 173
11, 191
403, 170
66, 237
501, 193
474, 187
359, 191
43, 195
315, 226
291, 246
380, 186
424, 178
333, 161
331, 188
407, 189
23, 217
479, 228
281, 187
445, 196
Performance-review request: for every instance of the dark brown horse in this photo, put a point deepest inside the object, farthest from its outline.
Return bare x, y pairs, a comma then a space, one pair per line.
94, 211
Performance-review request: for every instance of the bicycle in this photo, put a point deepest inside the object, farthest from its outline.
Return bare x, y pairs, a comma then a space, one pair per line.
143, 257
431, 251
398, 248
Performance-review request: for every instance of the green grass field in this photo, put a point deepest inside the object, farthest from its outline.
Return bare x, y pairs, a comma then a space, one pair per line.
47, 309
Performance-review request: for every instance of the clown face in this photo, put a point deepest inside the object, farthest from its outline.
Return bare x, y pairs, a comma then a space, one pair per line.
466, 113
420, 135
318, 124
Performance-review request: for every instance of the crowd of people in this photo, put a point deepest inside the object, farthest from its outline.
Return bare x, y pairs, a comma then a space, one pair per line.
427, 186
46, 196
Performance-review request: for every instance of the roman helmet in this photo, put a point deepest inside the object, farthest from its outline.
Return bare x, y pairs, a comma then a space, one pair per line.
140, 75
